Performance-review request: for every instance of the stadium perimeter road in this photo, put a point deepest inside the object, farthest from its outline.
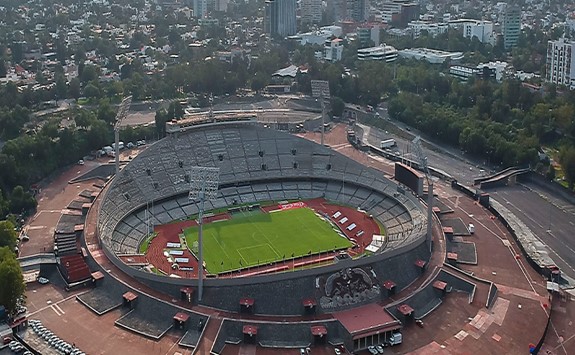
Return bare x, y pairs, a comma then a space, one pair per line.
442, 158
550, 219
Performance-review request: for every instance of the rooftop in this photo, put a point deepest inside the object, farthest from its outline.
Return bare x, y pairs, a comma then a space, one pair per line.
368, 319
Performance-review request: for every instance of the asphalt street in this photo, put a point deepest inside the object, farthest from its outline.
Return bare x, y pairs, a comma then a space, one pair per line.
444, 158
551, 220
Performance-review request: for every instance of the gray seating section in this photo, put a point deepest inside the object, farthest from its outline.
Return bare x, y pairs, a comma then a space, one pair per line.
191, 337
277, 335
106, 297
456, 283
423, 302
287, 335
66, 244
229, 332
152, 318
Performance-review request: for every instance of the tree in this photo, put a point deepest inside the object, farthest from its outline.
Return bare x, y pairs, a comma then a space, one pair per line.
8, 236
2, 68
11, 279
3, 205
75, 88
90, 73
91, 91
21, 201
337, 106
61, 87
567, 159
162, 117
106, 112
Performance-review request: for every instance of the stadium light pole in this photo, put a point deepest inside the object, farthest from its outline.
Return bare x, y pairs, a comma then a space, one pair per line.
422, 160
320, 90
203, 186
120, 115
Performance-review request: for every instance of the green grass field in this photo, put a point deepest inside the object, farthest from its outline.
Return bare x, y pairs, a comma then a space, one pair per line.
260, 238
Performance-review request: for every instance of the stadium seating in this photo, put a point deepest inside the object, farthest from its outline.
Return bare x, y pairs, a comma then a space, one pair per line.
152, 318
277, 335
256, 164
106, 296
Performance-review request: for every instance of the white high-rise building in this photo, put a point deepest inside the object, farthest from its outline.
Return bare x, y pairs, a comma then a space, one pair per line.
483, 30
333, 49
560, 66
311, 11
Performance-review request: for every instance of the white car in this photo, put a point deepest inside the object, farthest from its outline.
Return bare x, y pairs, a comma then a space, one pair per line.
43, 280
372, 350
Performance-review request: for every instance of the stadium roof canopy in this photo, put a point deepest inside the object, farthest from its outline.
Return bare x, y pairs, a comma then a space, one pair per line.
367, 320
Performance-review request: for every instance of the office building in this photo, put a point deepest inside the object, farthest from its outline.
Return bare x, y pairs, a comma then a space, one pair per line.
280, 18
368, 34
560, 65
399, 12
511, 26
432, 56
432, 29
200, 8
311, 11
358, 10
333, 49
383, 52
483, 30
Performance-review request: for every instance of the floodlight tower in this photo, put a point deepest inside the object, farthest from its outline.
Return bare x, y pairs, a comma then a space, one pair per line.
320, 89
120, 115
422, 160
203, 186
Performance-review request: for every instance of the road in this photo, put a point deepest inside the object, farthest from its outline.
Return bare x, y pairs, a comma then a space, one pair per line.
445, 158
551, 219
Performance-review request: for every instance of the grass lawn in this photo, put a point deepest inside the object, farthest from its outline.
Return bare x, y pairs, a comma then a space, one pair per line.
260, 238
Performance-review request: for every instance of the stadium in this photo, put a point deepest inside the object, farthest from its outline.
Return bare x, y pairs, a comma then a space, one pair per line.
298, 242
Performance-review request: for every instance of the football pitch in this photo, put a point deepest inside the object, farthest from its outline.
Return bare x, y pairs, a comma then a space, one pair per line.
260, 238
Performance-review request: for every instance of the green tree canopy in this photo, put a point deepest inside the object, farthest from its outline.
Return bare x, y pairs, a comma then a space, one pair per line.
11, 279
8, 236
567, 160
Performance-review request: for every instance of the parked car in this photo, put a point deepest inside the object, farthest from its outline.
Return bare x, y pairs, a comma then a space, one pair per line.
43, 280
